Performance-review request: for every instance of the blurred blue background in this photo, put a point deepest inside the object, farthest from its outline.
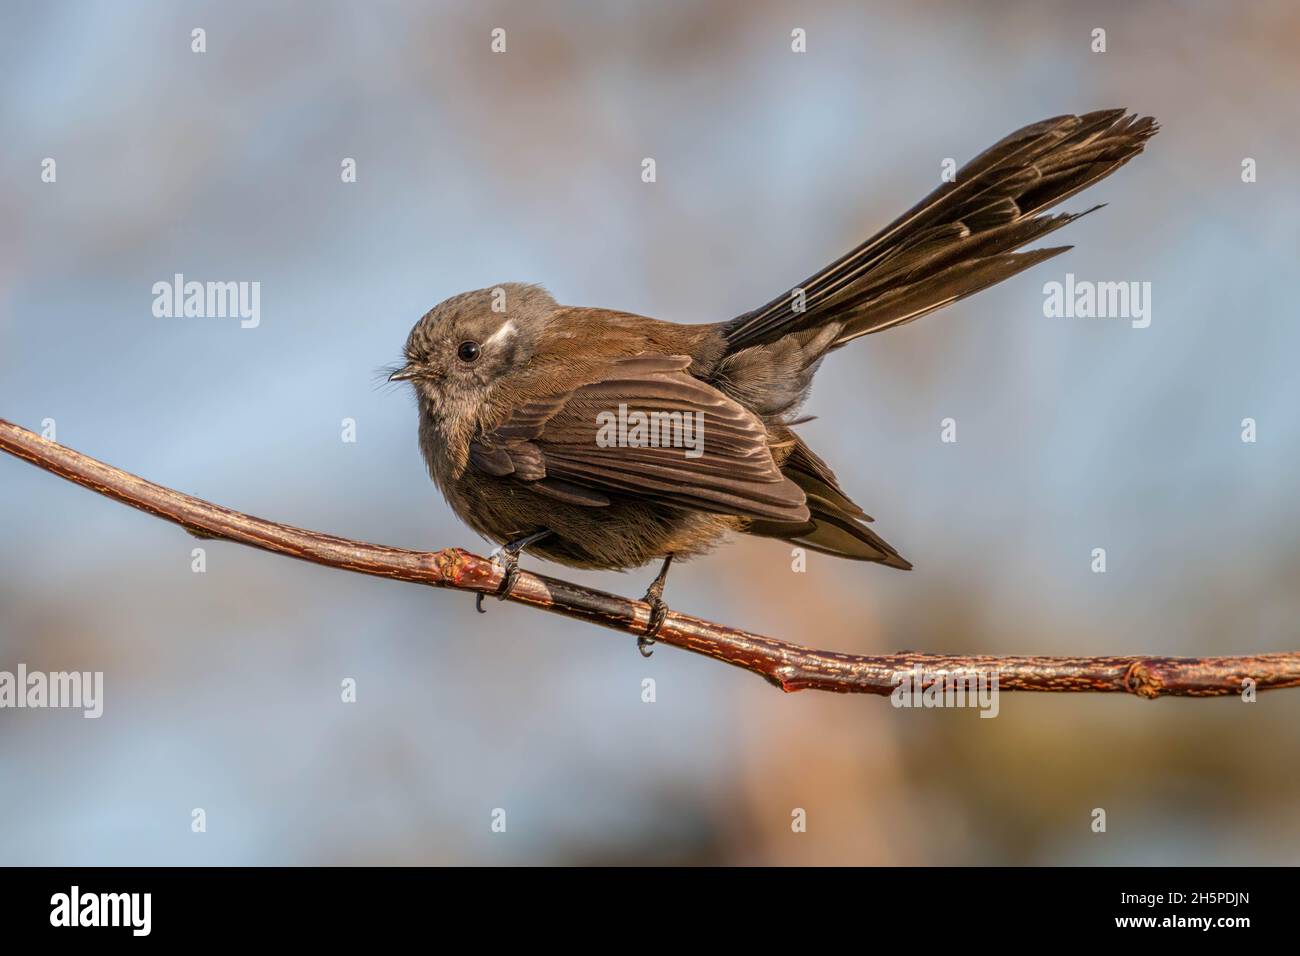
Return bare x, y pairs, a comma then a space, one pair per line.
222, 688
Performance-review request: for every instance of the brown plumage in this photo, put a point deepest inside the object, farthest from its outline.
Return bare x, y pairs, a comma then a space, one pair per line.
512, 386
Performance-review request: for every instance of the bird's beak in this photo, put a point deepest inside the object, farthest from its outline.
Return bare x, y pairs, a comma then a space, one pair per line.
403, 374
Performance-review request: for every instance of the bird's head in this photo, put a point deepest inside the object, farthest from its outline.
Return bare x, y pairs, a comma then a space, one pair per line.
462, 347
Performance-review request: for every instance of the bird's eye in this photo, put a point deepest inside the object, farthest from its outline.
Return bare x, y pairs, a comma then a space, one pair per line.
468, 351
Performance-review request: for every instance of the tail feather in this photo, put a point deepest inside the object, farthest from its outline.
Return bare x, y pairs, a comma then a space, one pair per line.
903, 303
959, 239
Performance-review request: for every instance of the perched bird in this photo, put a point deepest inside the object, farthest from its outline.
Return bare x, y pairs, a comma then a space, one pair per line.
601, 439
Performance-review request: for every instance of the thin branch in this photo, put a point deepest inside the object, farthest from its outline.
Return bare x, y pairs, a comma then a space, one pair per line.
788, 666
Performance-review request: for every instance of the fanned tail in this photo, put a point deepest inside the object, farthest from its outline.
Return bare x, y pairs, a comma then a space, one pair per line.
961, 238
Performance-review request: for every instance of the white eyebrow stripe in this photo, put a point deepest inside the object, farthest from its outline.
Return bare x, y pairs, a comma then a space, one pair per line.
503, 333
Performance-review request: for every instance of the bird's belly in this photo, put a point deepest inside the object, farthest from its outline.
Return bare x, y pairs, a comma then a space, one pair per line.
627, 533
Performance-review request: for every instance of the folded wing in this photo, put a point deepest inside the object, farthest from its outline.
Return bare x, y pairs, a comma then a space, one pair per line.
644, 427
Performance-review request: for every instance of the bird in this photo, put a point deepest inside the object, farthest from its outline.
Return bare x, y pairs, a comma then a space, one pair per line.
515, 391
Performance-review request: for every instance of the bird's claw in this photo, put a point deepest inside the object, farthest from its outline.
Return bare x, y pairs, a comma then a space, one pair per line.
654, 596
658, 613
507, 559
508, 581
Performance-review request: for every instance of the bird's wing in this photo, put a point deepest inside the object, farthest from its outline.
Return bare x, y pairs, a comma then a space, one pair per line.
643, 427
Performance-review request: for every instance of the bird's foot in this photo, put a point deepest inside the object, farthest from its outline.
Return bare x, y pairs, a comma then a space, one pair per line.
658, 612
506, 557
509, 563
654, 596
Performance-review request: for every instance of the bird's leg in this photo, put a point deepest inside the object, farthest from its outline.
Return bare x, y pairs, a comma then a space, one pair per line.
658, 609
507, 558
